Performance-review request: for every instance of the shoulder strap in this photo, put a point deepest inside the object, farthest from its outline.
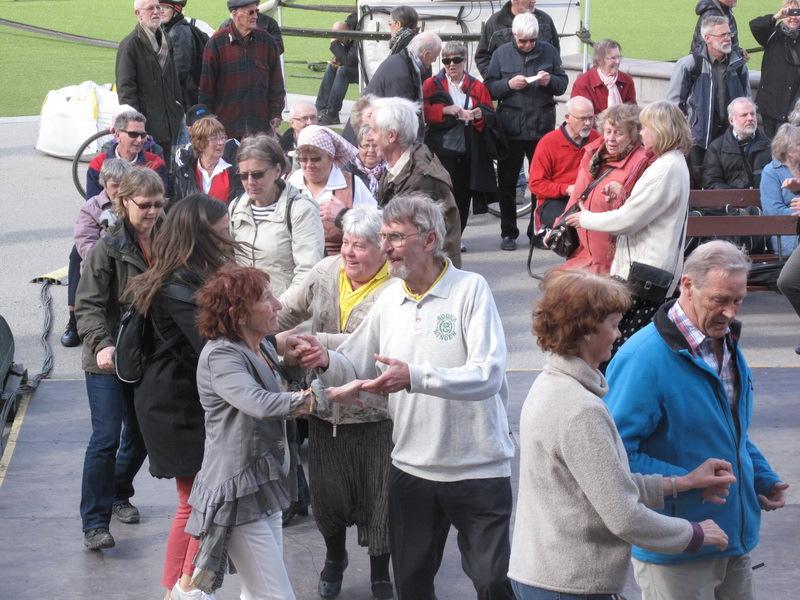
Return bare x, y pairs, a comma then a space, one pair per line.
597, 180
346, 195
289, 203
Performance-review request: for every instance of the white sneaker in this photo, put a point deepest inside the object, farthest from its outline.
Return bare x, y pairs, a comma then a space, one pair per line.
178, 593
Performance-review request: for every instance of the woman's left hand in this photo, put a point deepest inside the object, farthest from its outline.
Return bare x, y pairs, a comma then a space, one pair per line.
573, 220
346, 394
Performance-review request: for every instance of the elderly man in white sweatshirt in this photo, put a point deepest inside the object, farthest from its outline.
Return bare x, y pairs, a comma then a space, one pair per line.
434, 344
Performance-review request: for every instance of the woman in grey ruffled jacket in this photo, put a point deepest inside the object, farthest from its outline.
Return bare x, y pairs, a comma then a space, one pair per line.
243, 485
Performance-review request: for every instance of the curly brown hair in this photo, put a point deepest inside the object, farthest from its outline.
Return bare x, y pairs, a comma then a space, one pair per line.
225, 299
573, 303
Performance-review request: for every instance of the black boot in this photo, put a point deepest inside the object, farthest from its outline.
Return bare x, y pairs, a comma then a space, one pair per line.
70, 338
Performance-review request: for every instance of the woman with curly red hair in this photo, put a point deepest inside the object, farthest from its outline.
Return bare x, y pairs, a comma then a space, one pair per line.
579, 507
244, 482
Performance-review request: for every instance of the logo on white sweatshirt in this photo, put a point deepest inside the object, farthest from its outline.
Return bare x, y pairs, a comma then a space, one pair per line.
445, 327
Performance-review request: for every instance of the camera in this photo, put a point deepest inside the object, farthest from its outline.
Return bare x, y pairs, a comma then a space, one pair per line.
793, 12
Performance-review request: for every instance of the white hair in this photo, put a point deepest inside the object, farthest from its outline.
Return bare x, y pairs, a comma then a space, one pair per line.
740, 100
426, 40
709, 22
363, 222
716, 255
422, 212
301, 103
575, 102
525, 25
397, 114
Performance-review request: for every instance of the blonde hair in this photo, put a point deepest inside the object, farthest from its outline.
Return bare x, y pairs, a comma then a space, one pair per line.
786, 138
625, 116
138, 181
668, 127
202, 131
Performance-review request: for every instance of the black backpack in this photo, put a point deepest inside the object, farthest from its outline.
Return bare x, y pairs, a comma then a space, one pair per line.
199, 39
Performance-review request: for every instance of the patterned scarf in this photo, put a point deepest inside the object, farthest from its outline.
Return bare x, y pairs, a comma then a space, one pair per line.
611, 83
400, 39
160, 48
373, 175
330, 142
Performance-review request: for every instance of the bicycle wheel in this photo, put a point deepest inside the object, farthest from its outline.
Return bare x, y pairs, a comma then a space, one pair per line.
80, 156
522, 209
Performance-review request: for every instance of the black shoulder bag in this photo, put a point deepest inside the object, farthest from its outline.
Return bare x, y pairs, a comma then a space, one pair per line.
648, 282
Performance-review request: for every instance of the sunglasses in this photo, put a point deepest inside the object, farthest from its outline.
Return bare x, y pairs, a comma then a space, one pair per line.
256, 175
455, 60
158, 205
135, 134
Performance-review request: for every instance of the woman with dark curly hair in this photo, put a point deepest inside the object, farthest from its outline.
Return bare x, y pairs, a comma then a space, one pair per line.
192, 244
244, 482
579, 507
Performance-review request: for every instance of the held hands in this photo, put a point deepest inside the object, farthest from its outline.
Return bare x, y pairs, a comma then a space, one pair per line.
714, 477
713, 535
517, 82
305, 351
397, 377
105, 358
346, 394
776, 498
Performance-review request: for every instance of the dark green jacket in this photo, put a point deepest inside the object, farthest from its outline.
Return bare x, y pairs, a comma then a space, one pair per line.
111, 263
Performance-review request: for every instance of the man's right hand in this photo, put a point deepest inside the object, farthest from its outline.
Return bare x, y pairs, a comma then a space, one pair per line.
517, 82
713, 535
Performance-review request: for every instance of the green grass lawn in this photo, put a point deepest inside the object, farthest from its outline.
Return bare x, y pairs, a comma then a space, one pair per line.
32, 64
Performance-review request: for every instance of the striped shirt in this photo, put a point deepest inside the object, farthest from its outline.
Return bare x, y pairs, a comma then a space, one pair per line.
703, 346
262, 213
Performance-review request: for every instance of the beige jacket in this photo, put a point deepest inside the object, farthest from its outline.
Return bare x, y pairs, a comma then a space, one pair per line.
287, 257
317, 298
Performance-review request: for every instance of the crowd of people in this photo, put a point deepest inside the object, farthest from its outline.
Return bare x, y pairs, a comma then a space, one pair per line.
309, 285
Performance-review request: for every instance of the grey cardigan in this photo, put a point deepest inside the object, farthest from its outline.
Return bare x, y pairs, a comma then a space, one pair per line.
579, 507
245, 472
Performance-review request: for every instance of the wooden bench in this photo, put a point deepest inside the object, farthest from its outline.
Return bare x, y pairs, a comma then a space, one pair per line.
710, 226
737, 225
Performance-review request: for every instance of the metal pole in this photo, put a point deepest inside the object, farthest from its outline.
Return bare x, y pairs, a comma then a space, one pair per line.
586, 14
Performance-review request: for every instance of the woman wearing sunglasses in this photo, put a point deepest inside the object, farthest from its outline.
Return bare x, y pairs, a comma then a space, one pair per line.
107, 484
280, 226
457, 108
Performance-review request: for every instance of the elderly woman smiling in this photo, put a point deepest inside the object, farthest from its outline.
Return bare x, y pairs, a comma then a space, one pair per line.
349, 448
322, 154
579, 507
604, 84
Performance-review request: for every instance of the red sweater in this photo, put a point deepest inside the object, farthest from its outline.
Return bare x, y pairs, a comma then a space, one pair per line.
590, 86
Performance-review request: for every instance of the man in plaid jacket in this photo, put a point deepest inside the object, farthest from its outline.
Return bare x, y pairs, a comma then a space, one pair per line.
241, 81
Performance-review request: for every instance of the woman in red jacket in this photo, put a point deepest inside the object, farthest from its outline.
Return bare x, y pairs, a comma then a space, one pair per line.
604, 84
458, 114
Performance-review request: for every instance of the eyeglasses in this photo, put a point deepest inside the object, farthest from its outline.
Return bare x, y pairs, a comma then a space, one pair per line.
455, 60
219, 137
152, 9
306, 118
256, 175
249, 13
395, 239
727, 34
135, 134
584, 119
526, 40
368, 146
158, 204
308, 159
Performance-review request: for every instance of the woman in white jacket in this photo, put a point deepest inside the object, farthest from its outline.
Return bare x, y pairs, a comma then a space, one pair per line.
651, 224
279, 225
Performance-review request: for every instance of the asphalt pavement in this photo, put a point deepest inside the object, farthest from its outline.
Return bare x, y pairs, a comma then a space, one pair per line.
41, 551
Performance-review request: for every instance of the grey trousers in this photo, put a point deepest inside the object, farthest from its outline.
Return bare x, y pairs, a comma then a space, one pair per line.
789, 280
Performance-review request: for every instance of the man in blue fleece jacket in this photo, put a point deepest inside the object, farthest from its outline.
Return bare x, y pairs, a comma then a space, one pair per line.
681, 390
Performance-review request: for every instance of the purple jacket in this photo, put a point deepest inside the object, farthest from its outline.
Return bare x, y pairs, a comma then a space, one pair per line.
95, 217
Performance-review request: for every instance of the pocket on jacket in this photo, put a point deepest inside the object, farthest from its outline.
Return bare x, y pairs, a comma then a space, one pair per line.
512, 118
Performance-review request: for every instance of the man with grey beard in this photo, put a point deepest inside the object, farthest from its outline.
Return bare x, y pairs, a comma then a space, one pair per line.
147, 79
735, 159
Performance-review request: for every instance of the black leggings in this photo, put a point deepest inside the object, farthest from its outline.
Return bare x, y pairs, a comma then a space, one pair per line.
74, 275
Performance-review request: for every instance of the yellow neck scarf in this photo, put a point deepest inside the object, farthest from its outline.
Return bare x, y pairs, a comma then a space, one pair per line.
350, 298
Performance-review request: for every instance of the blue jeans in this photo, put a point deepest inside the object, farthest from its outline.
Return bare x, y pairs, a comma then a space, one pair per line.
115, 452
333, 88
528, 592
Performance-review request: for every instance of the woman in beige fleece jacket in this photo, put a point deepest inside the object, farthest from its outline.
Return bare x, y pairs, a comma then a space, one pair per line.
579, 507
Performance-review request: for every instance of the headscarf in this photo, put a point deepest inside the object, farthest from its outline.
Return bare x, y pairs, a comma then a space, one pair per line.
339, 149
610, 82
373, 175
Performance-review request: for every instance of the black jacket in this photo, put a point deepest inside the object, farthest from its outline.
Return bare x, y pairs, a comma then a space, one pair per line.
188, 57
780, 68
529, 113
153, 91
167, 403
184, 172
706, 8
729, 166
497, 32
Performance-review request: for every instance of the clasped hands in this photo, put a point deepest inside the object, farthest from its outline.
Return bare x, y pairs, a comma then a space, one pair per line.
307, 352
463, 114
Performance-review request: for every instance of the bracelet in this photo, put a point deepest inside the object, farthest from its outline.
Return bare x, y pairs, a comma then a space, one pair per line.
674, 487
337, 221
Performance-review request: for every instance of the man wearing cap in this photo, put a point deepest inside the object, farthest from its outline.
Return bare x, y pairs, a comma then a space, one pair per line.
187, 47
146, 75
242, 82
